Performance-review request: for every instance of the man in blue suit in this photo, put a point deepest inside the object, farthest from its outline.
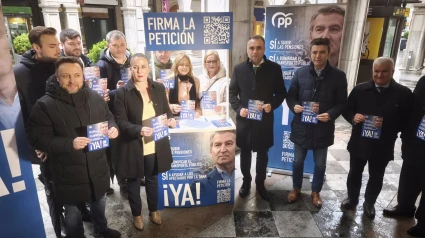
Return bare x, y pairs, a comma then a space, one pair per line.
218, 186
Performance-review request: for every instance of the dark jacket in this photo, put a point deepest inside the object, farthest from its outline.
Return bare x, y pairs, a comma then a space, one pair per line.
31, 76
110, 69
413, 148
330, 90
393, 105
86, 61
56, 120
128, 113
267, 85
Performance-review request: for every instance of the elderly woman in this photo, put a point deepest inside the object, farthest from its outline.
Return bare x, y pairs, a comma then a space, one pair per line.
186, 85
136, 104
213, 80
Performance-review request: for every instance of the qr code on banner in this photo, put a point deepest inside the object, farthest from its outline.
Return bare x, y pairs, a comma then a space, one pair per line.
287, 144
223, 195
216, 30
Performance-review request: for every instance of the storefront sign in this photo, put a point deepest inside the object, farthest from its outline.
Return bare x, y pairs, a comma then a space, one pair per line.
188, 31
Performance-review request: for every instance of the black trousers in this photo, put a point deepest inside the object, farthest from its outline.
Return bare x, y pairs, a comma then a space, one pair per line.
261, 166
151, 178
411, 184
374, 184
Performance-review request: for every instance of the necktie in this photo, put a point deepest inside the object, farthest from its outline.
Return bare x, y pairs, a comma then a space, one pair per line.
381, 89
255, 69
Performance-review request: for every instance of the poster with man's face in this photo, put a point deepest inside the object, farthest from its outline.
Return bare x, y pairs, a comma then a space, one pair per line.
20, 214
290, 29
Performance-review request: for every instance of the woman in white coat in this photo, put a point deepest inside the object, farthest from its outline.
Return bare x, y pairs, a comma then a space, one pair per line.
215, 82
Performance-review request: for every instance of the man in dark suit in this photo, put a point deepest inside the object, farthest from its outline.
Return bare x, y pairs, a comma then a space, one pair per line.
256, 79
222, 151
412, 177
380, 97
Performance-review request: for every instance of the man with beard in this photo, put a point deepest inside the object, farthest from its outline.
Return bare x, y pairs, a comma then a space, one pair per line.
57, 126
71, 44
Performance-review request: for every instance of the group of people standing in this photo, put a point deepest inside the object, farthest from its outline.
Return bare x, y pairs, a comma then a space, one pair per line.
398, 110
57, 106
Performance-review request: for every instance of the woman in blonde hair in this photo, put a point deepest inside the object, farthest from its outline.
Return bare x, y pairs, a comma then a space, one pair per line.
186, 86
214, 80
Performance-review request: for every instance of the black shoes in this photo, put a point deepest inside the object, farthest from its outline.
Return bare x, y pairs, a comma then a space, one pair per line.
349, 204
399, 212
416, 231
263, 192
369, 210
244, 191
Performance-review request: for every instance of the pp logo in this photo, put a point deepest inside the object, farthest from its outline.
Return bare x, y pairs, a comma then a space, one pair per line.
282, 19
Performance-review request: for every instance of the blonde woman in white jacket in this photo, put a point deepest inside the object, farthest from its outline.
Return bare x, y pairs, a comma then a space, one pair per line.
214, 80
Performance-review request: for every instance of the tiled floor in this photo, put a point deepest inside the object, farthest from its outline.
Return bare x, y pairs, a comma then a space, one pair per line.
254, 217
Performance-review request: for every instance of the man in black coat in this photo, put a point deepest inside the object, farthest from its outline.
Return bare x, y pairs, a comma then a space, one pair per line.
318, 84
58, 126
380, 97
412, 177
114, 63
256, 79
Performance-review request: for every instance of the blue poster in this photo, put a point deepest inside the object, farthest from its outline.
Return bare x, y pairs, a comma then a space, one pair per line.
420, 133
372, 126
98, 135
188, 31
288, 34
221, 123
202, 172
20, 214
160, 127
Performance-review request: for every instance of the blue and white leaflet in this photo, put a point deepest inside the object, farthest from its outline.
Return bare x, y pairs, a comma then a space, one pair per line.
209, 100
310, 112
160, 127
372, 126
125, 75
188, 109
420, 133
255, 109
93, 80
166, 77
98, 135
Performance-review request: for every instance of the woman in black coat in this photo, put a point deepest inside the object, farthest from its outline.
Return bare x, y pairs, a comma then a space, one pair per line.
135, 105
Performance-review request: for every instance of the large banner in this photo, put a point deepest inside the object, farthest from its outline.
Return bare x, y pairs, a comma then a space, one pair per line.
188, 31
202, 172
20, 214
288, 33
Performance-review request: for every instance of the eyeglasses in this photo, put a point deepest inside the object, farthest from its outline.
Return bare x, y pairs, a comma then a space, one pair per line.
211, 62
